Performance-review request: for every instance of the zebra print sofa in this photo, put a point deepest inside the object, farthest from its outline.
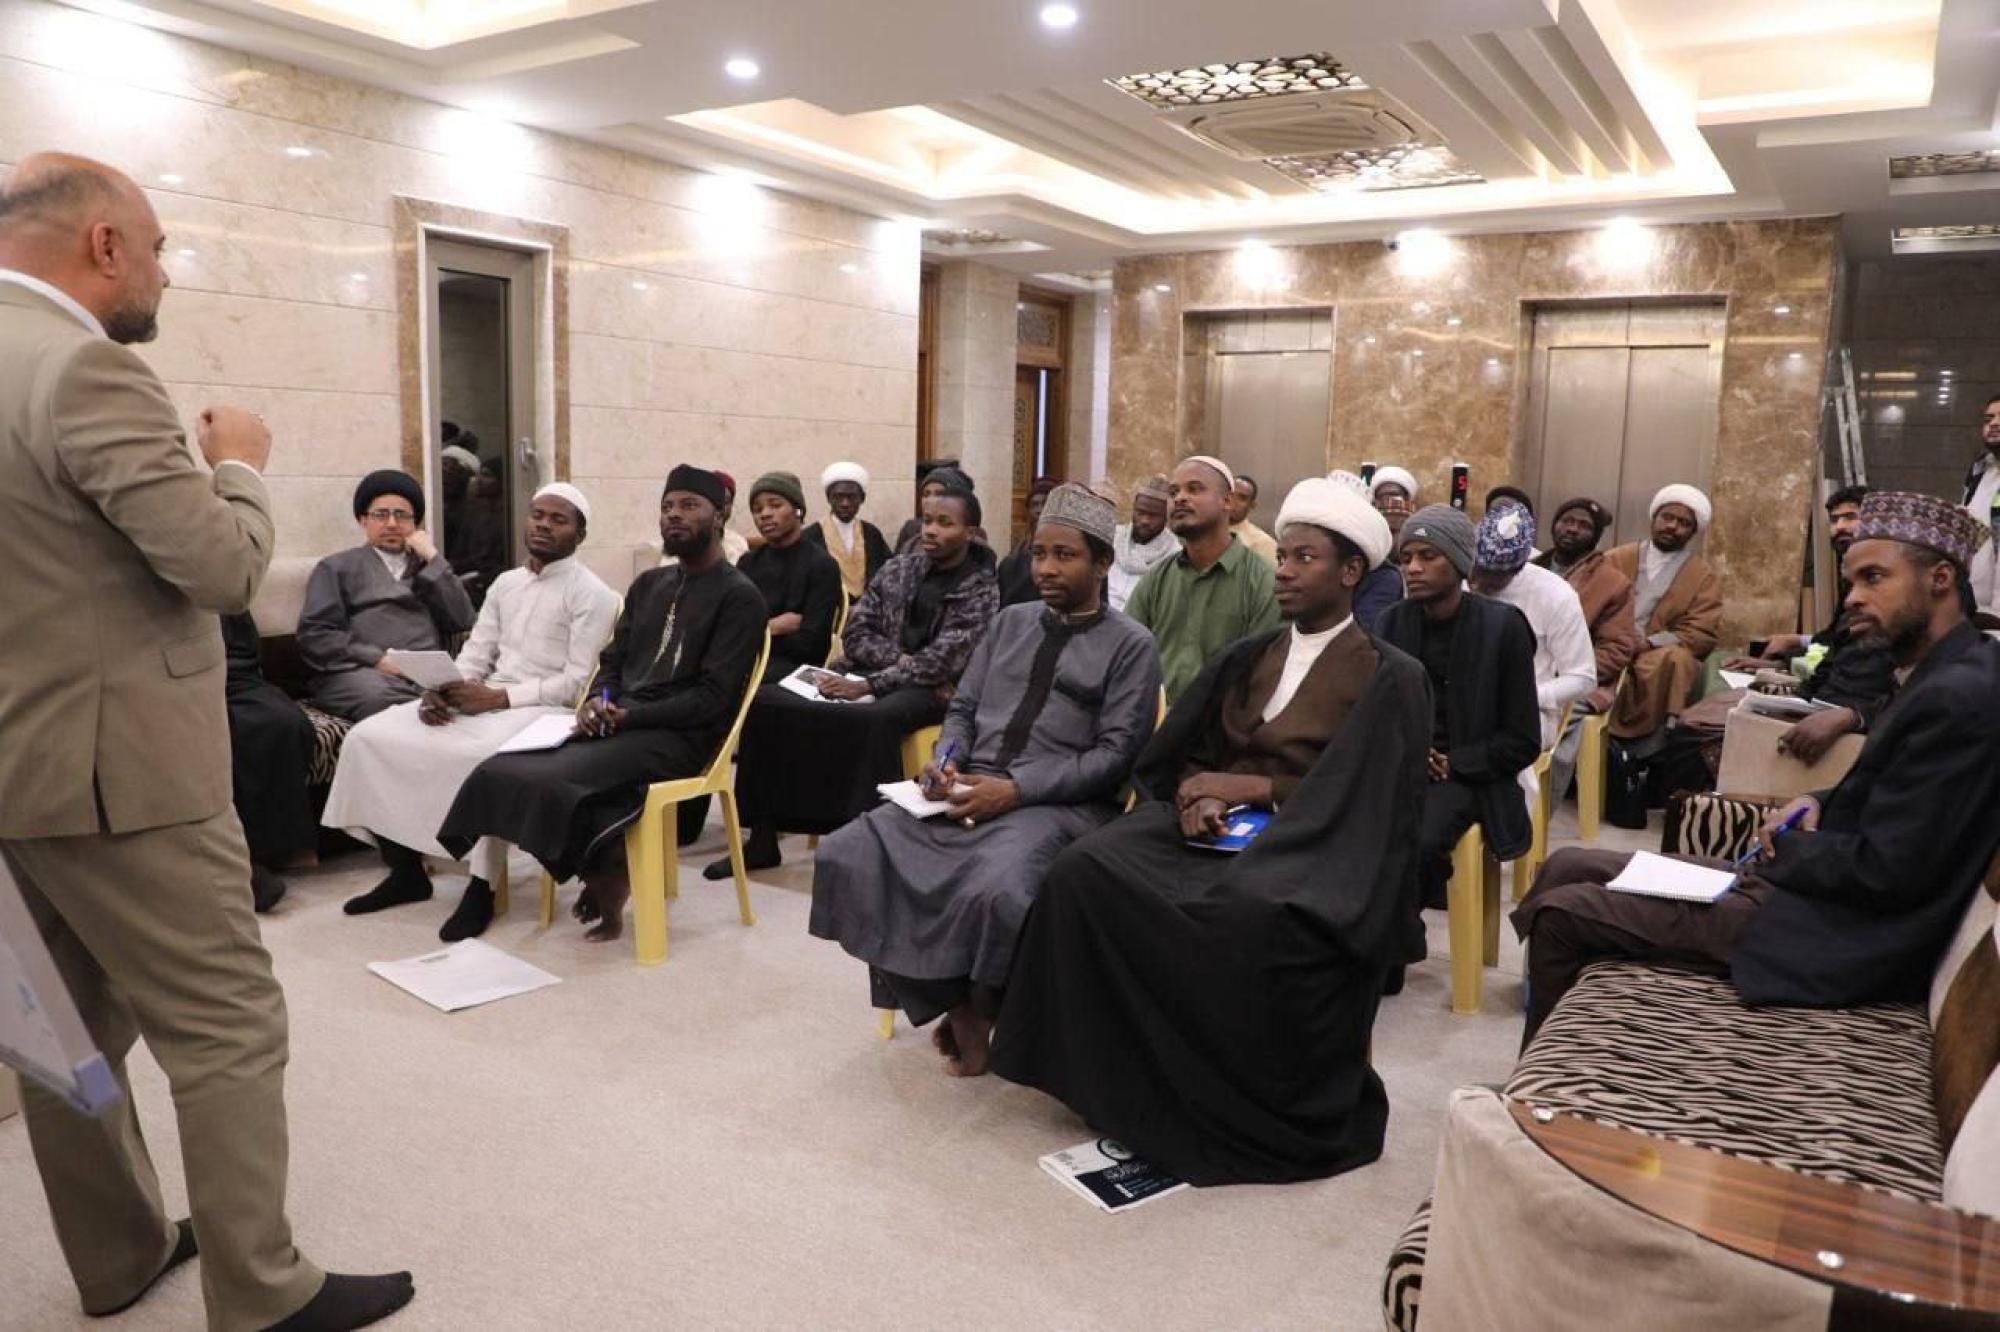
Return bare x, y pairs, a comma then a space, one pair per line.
1893, 1097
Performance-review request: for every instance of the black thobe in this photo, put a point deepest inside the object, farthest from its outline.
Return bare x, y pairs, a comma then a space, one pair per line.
800, 579
270, 749
1212, 1012
678, 663
1856, 912
1017, 577
475, 543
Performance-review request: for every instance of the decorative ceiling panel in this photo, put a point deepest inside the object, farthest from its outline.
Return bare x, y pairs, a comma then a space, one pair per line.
1920, 165
1410, 167
963, 238
1243, 81
1974, 231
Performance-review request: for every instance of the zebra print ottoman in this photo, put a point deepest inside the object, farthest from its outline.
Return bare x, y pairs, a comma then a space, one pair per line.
328, 732
1844, 1094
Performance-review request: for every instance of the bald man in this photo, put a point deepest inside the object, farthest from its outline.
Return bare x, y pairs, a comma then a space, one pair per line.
115, 814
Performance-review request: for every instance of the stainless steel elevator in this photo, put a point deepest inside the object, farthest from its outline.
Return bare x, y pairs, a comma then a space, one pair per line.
1264, 394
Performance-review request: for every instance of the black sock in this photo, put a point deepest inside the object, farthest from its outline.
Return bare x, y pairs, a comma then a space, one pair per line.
184, 1249
407, 882
266, 888
473, 914
760, 851
346, 1302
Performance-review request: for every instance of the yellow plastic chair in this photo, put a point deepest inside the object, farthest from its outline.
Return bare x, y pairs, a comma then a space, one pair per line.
1539, 813
1593, 762
652, 853
833, 647
1472, 903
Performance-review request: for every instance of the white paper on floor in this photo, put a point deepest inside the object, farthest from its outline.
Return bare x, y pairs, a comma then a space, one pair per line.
465, 975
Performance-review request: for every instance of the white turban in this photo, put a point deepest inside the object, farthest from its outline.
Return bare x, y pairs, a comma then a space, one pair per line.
844, 471
1228, 477
563, 490
1394, 476
1327, 503
1687, 495
463, 456
1341, 476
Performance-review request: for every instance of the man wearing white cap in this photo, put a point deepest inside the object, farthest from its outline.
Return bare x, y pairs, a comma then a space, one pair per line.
1394, 491
1677, 602
856, 544
1215, 590
530, 655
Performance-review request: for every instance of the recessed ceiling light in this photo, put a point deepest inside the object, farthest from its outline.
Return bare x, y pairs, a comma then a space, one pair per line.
1493, 361
1781, 309
1059, 16
1418, 352
298, 150
170, 179
1163, 286
1947, 373
741, 68
1795, 356
638, 285
359, 277
850, 268
1454, 321
185, 254
1370, 339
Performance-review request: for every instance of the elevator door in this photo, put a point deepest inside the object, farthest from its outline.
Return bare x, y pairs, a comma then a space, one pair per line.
1270, 377
1622, 400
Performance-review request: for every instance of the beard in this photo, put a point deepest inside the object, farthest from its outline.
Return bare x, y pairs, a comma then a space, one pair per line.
687, 547
1897, 634
131, 322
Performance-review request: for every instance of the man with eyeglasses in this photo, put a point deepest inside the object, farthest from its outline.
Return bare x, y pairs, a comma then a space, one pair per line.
395, 590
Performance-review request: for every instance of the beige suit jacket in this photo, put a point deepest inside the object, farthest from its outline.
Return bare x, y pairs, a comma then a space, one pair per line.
118, 550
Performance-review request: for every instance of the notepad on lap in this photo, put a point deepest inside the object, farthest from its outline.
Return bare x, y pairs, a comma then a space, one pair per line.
1653, 875
426, 670
549, 732
910, 798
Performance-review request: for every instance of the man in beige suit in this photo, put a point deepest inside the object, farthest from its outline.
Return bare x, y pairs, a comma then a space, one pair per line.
115, 813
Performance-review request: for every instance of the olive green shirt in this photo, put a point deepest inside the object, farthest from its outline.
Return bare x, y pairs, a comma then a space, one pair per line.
1195, 614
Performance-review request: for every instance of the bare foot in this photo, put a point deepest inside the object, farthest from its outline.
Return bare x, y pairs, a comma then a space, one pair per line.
942, 1038
610, 893
973, 1035
585, 909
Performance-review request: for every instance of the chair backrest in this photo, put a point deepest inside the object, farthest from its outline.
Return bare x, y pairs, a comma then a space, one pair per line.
584, 697
718, 767
1965, 1052
839, 626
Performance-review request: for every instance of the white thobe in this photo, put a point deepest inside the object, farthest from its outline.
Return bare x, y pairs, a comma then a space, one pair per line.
1985, 571
538, 637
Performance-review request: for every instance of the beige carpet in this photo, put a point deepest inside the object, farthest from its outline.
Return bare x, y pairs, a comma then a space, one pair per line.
722, 1142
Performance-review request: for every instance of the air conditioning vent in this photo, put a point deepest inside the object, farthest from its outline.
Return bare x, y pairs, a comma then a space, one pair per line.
1303, 125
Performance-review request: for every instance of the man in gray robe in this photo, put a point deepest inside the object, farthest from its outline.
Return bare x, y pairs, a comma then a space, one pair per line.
395, 590
1050, 714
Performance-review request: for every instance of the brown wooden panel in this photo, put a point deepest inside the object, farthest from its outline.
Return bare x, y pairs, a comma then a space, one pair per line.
1887, 1245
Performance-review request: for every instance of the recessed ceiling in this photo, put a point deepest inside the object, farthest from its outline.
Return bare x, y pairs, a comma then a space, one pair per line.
1460, 115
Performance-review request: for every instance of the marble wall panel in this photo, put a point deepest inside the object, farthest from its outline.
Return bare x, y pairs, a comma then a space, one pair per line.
1463, 397
768, 328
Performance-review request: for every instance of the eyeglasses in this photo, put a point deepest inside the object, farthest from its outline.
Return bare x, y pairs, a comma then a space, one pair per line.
392, 515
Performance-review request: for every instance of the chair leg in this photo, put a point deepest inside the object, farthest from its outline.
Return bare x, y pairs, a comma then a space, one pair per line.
1463, 900
812, 841
733, 829
496, 874
1590, 766
1489, 910
646, 853
885, 1023
1528, 866
548, 899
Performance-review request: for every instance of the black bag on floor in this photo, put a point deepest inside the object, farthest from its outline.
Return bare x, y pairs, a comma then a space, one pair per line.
1624, 787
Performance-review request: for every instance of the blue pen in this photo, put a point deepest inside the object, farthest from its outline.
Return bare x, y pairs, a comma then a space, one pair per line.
944, 760
603, 704
1791, 821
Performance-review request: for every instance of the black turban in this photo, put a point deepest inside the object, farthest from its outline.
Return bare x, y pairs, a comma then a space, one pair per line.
389, 481
1600, 517
698, 481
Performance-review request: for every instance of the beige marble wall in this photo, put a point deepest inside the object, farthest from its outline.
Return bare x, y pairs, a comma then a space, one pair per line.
975, 381
1413, 387
1087, 377
711, 320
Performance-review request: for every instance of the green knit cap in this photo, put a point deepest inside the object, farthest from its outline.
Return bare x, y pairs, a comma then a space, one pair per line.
785, 484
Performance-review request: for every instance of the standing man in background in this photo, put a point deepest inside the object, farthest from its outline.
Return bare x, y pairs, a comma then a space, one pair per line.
1982, 491
856, 544
1143, 542
115, 814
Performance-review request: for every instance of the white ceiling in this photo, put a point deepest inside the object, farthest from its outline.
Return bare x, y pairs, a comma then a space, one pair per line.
971, 114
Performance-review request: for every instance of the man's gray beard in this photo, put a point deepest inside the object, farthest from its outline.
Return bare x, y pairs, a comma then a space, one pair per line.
129, 324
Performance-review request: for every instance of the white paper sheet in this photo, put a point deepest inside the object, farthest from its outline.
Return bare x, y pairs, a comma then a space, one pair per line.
910, 798
1653, 875
1737, 679
427, 670
465, 975
1789, 706
549, 732
805, 683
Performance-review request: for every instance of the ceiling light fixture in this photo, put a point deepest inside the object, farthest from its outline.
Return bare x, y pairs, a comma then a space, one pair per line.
1418, 352
170, 179
185, 254
298, 150
741, 68
850, 268
1163, 286
359, 277
1795, 356
1453, 322
1781, 309
1059, 16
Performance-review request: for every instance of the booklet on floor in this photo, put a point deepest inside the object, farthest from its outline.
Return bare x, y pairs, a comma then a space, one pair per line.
465, 975
1109, 1175
805, 683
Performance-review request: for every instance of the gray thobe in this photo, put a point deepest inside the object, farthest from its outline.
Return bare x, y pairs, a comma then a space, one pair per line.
355, 611
1063, 711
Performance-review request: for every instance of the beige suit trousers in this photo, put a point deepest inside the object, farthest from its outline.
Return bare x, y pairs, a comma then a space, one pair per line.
154, 935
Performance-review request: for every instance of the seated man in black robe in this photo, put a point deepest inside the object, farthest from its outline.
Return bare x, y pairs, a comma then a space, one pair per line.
1486, 724
799, 581
1212, 1010
271, 752
1859, 888
667, 691
807, 765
